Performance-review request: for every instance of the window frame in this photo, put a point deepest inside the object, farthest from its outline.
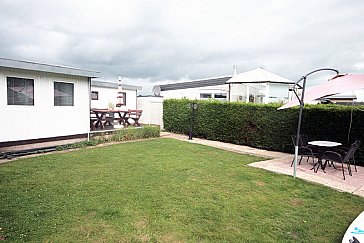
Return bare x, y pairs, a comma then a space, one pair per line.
207, 94
124, 98
54, 95
7, 90
97, 95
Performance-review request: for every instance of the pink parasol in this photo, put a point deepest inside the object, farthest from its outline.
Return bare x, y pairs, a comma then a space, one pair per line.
335, 85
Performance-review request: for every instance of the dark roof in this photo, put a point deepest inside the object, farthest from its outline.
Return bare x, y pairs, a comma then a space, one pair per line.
341, 97
195, 83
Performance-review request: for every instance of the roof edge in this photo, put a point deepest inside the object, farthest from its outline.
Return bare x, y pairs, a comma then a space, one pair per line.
106, 84
43, 67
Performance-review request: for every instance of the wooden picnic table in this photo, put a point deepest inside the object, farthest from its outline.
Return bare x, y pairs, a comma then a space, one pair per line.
101, 118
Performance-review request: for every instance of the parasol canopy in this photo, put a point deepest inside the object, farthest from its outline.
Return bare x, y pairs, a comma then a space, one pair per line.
335, 85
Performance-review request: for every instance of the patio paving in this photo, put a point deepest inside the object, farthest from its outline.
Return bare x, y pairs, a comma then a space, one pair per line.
281, 163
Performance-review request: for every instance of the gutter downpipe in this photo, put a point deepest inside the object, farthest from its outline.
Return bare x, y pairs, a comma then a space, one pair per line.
89, 107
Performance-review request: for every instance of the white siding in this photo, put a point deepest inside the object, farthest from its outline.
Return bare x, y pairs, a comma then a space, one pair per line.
194, 93
43, 120
152, 110
278, 92
107, 95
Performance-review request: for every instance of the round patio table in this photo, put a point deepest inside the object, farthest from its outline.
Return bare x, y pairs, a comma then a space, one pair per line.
322, 145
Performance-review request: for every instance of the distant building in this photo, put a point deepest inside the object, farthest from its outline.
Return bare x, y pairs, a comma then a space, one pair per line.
338, 99
210, 88
104, 94
255, 86
259, 86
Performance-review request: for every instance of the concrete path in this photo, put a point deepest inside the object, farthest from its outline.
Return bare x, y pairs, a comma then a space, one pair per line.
281, 163
41, 145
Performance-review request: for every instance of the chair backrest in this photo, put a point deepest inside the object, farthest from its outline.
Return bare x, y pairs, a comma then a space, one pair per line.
351, 151
304, 139
294, 140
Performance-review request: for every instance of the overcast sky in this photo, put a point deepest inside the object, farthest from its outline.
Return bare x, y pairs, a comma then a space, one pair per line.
157, 41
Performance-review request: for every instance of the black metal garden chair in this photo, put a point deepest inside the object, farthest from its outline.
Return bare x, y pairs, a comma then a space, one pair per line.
304, 149
343, 157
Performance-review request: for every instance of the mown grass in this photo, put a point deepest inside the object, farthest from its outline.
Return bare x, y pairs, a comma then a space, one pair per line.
164, 190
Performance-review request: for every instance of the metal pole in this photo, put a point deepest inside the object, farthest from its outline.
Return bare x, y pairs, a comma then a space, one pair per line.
302, 104
191, 120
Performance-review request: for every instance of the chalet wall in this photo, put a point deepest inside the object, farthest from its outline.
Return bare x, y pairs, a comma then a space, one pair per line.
43, 120
194, 93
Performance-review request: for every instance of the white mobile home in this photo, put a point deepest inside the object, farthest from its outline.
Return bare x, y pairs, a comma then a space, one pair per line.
259, 86
42, 102
105, 93
211, 88
255, 86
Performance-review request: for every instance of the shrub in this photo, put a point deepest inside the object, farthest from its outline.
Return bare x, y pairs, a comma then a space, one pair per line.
124, 134
136, 133
263, 126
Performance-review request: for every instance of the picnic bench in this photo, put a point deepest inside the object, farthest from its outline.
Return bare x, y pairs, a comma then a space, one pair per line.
135, 116
101, 118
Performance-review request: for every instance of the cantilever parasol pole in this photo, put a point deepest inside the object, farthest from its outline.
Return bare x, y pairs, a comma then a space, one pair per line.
302, 104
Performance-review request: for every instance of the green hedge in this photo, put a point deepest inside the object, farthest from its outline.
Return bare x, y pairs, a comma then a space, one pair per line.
263, 126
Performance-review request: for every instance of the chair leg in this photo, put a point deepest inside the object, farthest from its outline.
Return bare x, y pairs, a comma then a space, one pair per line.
354, 164
292, 161
342, 166
349, 168
300, 160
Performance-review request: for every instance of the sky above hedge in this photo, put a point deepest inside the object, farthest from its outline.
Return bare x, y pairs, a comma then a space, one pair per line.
159, 41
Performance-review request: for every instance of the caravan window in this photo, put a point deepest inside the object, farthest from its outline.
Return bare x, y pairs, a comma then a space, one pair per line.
20, 91
63, 94
205, 95
94, 95
220, 96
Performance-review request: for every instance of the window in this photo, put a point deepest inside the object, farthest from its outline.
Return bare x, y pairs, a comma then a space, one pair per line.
63, 94
20, 91
220, 96
205, 96
123, 99
94, 95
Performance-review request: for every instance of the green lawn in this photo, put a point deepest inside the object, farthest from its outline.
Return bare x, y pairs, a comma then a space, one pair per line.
164, 190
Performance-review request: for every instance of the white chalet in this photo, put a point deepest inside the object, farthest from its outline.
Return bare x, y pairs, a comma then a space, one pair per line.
42, 102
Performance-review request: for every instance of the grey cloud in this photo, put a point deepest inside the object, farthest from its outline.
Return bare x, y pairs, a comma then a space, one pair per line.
158, 40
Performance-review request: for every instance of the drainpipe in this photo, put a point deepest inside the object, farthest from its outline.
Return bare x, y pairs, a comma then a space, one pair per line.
229, 92
136, 98
89, 107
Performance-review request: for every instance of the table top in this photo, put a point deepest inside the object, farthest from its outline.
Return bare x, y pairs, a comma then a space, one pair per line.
324, 143
106, 110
